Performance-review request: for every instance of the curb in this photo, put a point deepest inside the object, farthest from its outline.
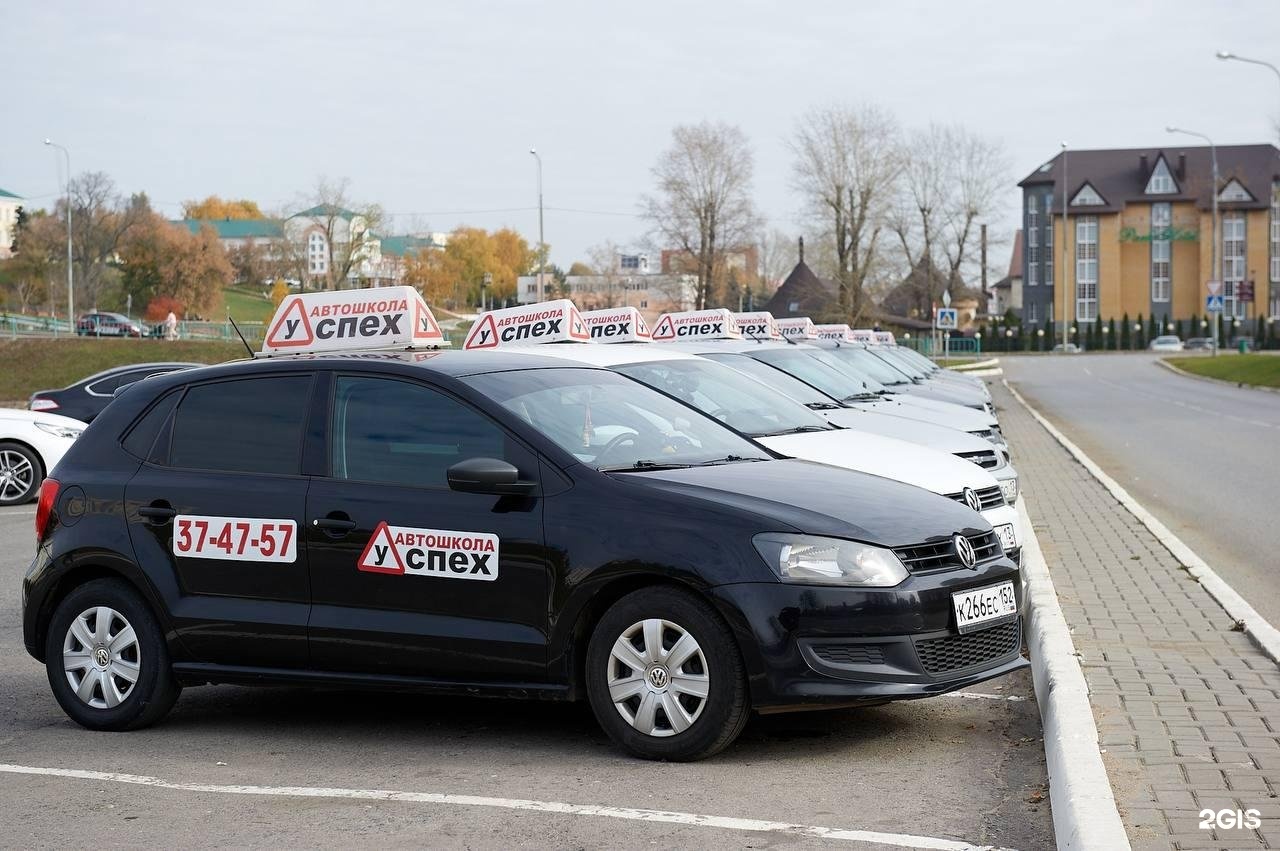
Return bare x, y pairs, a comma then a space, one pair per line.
976, 365
1084, 809
1222, 381
1263, 634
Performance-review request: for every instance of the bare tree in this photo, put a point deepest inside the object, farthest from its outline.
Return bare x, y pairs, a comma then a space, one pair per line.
846, 163
778, 252
100, 218
702, 204
347, 228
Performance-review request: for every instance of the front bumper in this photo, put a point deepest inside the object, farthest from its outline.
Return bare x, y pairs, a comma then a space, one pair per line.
811, 646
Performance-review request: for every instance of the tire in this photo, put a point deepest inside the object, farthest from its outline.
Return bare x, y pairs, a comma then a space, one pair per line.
146, 657
20, 474
714, 667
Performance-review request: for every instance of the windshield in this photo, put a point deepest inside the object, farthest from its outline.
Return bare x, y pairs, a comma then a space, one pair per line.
613, 423
728, 395
917, 359
801, 363
865, 363
892, 358
783, 382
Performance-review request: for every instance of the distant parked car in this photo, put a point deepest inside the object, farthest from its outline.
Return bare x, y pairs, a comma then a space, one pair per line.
107, 325
31, 444
85, 399
1199, 344
1069, 348
1166, 343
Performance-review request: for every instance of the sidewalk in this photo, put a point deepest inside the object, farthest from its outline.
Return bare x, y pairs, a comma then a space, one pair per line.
1187, 708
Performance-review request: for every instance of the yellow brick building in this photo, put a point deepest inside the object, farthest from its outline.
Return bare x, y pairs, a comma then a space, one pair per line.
1139, 223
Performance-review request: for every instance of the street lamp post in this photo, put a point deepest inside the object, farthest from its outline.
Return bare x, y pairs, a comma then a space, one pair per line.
542, 244
1066, 240
71, 290
1215, 263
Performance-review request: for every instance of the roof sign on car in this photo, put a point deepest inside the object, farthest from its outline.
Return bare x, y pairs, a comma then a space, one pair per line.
797, 328
344, 320
863, 335
841, 333
555, 321
886, 338
759, 325
717, 324
617, 325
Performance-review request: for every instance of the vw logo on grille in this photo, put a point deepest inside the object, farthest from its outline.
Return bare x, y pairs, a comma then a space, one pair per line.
964, 550
971, 499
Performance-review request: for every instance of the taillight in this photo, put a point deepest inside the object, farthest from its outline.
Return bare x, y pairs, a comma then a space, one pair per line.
44, 507
43, 405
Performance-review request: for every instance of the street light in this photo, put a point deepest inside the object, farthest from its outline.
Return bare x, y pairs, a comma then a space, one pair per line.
1215, 263
542, 244
1066, 305
71, 290
1226, 54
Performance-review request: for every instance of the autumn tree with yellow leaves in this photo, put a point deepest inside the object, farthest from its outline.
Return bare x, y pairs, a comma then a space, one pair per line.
215, 208
453, 276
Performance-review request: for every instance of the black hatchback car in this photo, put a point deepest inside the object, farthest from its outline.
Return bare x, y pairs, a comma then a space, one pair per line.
578, 536
85, 399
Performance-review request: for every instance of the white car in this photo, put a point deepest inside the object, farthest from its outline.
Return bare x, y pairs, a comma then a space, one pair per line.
788, 427
1166, 343
31, 445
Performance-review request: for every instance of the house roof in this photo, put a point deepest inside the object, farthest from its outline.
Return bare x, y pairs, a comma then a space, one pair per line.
1120, 175
4, 194
399, 246
236, 228
324, 211
810, 294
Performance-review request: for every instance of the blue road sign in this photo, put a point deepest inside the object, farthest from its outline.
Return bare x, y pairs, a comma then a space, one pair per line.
1213, 303
946, 319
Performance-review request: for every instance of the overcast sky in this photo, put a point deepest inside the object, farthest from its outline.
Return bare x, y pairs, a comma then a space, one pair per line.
430, 107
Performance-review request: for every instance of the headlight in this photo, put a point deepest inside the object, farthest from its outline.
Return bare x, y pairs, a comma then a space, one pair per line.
1009, 487
829, 561
59, 430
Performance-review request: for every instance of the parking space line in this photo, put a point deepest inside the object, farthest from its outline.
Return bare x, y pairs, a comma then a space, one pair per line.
898, 840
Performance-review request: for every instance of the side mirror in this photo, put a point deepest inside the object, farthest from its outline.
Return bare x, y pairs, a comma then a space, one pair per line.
488, 475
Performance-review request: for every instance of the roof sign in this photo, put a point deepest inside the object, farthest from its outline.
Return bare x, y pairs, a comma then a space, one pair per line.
346, 320
797, 328
886, 338
864, 335
758, 326
528, 325
841, 333
717, 324
617, 325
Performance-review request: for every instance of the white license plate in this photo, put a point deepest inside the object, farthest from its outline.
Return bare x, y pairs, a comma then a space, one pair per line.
981, 606
1007, 539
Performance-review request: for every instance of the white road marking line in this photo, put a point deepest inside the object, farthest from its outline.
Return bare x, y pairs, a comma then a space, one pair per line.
899, 840
974, 695
31, 513
1188, 405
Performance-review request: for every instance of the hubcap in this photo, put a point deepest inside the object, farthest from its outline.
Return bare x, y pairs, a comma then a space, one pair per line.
101, 657
16, 475
658, 677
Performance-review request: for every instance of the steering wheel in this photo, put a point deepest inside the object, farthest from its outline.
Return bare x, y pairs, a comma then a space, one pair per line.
620, 440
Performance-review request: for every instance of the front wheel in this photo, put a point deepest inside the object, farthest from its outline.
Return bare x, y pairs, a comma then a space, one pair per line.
106, 658
664, 676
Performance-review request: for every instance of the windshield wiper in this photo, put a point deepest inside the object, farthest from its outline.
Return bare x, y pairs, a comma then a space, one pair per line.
644, 464
728, 459
796, 430
821, 406
860, 397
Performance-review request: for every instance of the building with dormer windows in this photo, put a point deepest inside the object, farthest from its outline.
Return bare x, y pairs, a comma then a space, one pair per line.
1139, 228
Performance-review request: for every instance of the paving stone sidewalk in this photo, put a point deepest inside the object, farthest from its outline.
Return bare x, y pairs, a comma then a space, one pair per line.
1187, 708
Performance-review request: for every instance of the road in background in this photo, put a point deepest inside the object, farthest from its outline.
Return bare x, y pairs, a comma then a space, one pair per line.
1203, 457
959, 768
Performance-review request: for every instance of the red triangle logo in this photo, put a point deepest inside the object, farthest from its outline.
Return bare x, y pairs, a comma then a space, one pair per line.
424, 324
665, 330
292, 327
577, 328
642, 329
380, 554
484, 334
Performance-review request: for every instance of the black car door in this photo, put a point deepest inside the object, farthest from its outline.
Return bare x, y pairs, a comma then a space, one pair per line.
219, 506
409, 577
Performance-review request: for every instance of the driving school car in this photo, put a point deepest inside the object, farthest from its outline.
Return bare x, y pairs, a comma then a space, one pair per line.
768, 417
375, 512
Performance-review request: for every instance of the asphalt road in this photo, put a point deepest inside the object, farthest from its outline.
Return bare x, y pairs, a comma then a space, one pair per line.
956, 768
1203, 457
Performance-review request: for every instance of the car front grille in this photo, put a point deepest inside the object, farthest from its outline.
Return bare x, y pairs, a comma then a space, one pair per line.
985, 434
957, 652
991, 497
987, 459
849, 654
942, 554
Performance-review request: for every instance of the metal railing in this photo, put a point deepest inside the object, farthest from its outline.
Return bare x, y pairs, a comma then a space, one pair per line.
16, 325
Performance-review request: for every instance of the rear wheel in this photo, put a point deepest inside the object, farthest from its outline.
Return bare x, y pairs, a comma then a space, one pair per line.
664, 676
106, 658
20, 474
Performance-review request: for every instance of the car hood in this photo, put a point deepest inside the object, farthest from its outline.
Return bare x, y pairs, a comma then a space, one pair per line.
817, 499
885, 456
949, 412
941, 438
17, 415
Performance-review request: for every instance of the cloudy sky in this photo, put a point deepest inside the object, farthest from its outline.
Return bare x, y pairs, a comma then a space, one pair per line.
430, 107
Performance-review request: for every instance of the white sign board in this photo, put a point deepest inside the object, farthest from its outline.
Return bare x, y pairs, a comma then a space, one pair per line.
841, 332
617, 325
864, 335
717, 324
758, 326
528, 325
946, 319
346, 320
1215, 287
886, 338
797, 328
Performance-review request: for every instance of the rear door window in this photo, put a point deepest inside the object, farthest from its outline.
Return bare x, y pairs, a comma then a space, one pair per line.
249, 425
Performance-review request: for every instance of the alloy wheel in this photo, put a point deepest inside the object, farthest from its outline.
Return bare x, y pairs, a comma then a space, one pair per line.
16, 474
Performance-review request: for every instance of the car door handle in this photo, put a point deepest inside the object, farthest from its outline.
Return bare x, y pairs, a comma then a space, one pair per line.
157, 513
334, 525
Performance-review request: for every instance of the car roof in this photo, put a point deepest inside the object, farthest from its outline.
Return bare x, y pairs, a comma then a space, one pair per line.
607, 354
131, 367
698, 347
443, 361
